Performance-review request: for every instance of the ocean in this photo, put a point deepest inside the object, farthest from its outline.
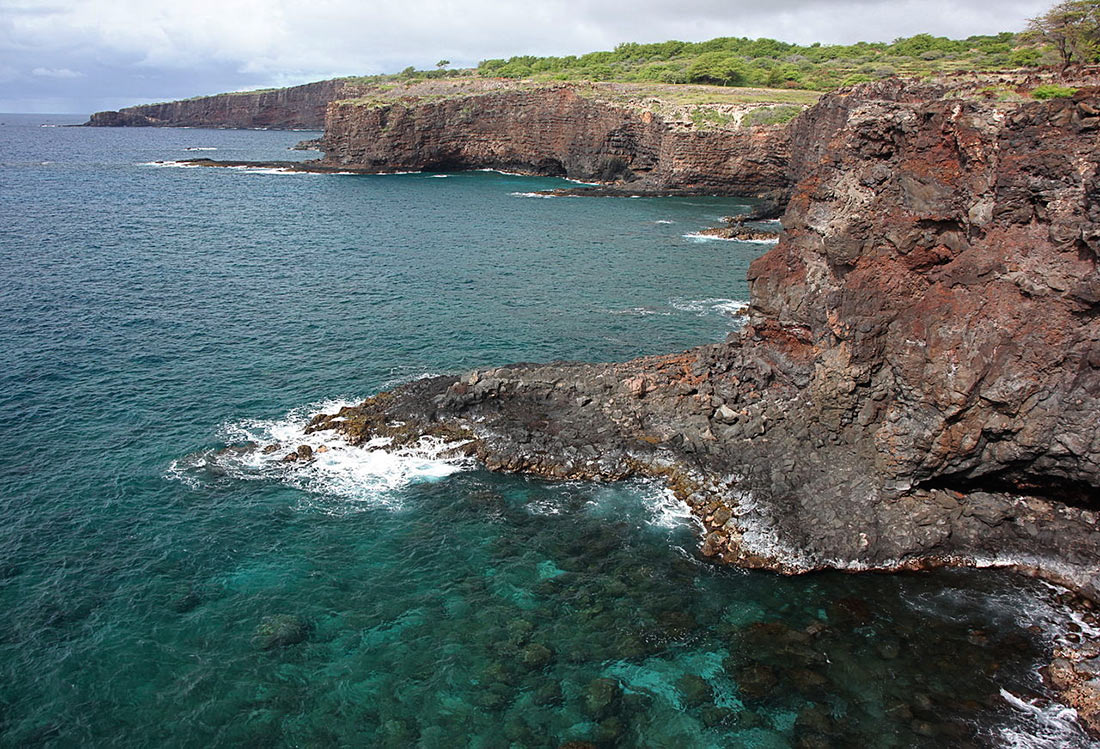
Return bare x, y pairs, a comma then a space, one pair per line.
157, 589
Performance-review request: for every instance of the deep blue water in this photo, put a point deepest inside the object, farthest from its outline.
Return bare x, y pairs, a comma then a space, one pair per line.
155, 592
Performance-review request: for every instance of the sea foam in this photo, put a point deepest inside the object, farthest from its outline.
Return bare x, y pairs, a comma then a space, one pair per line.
368, 473
704, 307
700, 237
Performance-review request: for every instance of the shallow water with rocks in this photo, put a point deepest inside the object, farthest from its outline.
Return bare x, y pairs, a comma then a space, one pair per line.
158, 585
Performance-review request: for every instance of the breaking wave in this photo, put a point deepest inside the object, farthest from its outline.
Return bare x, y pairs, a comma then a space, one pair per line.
166, 164
366, 473
700, 237
1041, 725
704, 307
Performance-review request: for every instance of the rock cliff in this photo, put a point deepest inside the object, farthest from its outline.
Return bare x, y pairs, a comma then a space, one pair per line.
579, 131
298, 107
919, 380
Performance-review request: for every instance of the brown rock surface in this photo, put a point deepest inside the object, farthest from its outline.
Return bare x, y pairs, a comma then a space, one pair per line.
294, 108
567, 130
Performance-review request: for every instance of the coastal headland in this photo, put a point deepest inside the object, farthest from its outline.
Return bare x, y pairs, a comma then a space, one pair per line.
918, 382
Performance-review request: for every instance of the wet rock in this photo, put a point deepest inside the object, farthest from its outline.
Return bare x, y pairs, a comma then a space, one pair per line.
714, 716
305, 452
268, 449
888, 650
519, 630
548, 693
494, 697
280, 631
610, 730
814, 719
807, 682
756, 681
676, 624
695, 690
601, 697
536, 655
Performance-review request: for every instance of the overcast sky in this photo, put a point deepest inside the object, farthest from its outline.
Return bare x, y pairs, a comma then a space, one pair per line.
85, 55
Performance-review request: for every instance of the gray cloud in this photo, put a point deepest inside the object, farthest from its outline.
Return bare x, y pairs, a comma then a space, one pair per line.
93, 54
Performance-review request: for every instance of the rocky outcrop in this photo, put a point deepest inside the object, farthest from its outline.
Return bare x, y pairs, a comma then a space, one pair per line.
573, 131
294, 108
919, 380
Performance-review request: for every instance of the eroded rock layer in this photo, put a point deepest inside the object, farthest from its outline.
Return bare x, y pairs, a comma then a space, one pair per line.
919, 379
294, 108
565, 130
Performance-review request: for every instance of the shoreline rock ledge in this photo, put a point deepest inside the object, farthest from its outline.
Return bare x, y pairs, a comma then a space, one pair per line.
918, 383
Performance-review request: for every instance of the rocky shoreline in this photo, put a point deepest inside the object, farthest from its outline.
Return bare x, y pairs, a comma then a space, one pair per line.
918, 384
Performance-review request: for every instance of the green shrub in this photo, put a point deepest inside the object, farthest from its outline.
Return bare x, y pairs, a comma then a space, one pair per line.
1049, 91
771, 115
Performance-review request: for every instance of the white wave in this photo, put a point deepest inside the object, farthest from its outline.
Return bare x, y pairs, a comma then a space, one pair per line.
391, 174
664, 221
171, 164
268, 170
200, 148
639, 311
402, 379
1041, 726
704, 307
366, 473
440, 176
700, 237
667, 511
501, 171
529, 195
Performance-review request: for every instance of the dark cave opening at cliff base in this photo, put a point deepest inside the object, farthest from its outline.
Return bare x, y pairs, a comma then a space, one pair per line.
547, 167
1073, 493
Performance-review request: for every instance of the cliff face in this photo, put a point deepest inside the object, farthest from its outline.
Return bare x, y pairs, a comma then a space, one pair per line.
919, 380
941, 263
298, 107
554, 131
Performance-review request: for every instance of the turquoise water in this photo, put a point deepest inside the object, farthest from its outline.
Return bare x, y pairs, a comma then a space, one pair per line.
157, 591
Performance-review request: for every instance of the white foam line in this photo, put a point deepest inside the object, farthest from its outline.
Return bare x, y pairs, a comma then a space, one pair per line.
367, 473
667, 511
501, 171
700, 237
1049, 726
164, 164
704, 307
529, 195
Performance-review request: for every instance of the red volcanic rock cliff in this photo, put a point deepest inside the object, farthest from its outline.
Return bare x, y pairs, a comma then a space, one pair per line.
941, 261
554, 130
298, 107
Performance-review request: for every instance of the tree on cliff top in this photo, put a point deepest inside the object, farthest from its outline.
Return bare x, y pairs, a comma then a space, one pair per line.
718, 67
1073, 27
